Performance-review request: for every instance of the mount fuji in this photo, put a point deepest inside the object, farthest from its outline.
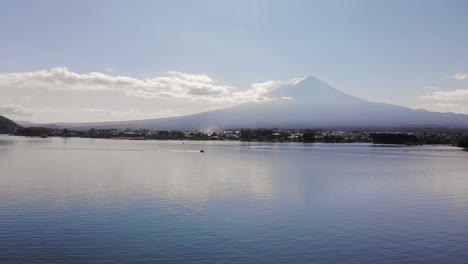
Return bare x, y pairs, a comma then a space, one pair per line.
304, 102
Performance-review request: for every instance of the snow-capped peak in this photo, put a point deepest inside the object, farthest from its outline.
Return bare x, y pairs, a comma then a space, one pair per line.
297, 80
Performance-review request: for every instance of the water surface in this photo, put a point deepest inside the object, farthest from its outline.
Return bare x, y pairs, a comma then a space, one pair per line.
92, 200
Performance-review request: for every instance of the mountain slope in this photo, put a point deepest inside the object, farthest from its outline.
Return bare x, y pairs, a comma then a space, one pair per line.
305, 102
7, 126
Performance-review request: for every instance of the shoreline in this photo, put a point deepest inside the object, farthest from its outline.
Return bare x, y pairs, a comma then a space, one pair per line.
240, 141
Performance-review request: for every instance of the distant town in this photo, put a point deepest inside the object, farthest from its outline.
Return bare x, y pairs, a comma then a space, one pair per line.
407, 136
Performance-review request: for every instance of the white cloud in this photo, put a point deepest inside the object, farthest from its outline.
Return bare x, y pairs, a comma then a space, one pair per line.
445, 107
431, 88
446, 101
258, 92
460, 76
99, 114
202, 78
14, 109
113, 114
448, 96
174, 84
61, 95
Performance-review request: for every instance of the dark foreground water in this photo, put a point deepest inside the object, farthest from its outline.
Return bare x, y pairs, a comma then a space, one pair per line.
90, 200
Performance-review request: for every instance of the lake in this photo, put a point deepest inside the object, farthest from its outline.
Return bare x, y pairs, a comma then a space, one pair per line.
70, 200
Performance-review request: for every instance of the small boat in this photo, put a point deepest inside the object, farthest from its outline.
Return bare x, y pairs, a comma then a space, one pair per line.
202, 151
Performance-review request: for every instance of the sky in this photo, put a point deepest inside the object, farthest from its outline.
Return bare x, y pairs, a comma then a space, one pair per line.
86, 61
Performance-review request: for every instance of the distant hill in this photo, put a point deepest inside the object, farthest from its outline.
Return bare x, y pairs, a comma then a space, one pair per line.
305, 102
7, 126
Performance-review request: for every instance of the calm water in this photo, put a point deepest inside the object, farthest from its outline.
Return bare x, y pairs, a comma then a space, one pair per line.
90, 200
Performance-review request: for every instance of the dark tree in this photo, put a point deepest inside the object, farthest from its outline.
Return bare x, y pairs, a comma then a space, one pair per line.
308, 136
463, 143
34, 131
394, 138
247, 135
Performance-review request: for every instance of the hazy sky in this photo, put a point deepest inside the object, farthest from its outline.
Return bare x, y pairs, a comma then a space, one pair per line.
118, 60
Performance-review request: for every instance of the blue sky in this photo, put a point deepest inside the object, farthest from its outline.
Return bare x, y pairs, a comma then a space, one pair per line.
401, 52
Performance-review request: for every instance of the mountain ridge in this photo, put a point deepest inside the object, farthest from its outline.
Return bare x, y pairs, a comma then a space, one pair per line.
8, 126
304, 102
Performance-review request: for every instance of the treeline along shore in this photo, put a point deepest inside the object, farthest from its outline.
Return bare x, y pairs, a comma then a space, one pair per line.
406, 136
